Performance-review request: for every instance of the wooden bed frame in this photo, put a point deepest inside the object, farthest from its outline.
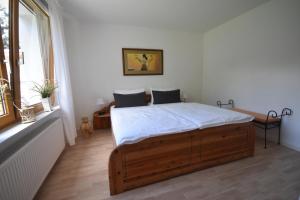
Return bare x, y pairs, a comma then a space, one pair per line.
162, 157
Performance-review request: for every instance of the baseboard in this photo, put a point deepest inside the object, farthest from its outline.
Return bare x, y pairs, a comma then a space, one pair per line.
273, 138
290, 146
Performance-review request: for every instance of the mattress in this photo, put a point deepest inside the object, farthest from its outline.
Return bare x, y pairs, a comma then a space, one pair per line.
131, 125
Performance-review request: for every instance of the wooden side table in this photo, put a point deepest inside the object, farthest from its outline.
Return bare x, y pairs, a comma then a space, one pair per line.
101, 121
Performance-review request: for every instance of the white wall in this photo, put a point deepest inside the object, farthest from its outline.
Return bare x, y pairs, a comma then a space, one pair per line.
255, 60
95, 53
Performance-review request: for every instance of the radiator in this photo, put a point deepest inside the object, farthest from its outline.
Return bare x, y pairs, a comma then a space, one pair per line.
22, 174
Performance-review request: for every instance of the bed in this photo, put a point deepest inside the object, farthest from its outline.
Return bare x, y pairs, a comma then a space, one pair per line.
157, 142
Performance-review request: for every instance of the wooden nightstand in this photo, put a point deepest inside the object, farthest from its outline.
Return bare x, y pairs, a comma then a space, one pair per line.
101, 121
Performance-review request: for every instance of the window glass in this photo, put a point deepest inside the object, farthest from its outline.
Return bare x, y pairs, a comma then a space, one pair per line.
7, 115
31, 65
5, 66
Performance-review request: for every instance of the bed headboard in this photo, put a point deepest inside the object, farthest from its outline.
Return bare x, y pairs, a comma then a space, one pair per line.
107, 108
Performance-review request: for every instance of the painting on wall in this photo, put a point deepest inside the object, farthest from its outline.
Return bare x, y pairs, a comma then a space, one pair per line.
142, 61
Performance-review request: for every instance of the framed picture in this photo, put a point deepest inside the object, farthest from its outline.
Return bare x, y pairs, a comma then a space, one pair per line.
142, 61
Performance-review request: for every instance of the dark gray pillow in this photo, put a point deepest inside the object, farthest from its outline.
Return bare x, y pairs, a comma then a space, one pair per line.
130, 100
160, 97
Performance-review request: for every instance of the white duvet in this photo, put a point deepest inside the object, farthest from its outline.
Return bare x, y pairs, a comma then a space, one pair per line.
131, 125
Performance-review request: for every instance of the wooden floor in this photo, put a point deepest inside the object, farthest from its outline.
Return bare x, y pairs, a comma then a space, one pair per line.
81, 173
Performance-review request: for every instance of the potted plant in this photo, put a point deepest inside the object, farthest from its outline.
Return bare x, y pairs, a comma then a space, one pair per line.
45, 90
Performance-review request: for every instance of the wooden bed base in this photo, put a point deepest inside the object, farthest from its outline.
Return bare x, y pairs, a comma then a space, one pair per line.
163, 157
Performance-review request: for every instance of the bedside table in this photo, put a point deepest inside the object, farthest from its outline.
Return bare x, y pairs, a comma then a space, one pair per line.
101, 121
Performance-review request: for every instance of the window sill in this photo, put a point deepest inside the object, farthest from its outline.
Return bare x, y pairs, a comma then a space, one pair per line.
16, 135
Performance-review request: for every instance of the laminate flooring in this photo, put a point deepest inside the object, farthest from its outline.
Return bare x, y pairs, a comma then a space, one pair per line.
81, 172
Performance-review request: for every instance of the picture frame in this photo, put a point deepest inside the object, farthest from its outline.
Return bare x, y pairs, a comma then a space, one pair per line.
142, 61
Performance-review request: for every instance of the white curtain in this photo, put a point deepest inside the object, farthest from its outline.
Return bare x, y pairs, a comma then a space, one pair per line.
65, 98
44, 35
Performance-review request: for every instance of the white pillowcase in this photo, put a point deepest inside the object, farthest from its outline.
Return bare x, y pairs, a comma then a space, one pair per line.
134, 91
160, 89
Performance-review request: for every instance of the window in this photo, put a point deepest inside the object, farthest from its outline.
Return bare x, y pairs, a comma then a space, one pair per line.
31, 64
7, 114
26, 55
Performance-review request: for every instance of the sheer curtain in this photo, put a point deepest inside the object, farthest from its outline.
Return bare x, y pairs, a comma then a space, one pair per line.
65, 98
44, 35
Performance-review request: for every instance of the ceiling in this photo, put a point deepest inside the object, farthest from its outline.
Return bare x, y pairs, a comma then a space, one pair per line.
188, 15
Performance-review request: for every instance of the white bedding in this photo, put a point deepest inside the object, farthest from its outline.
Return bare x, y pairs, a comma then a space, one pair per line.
131, 125
205, 116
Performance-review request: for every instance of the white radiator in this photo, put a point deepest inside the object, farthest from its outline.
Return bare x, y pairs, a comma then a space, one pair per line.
23, 173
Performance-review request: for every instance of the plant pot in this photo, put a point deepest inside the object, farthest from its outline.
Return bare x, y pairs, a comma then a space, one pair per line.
46, 104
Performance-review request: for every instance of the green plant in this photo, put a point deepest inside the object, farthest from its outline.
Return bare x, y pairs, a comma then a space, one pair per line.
45, 89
